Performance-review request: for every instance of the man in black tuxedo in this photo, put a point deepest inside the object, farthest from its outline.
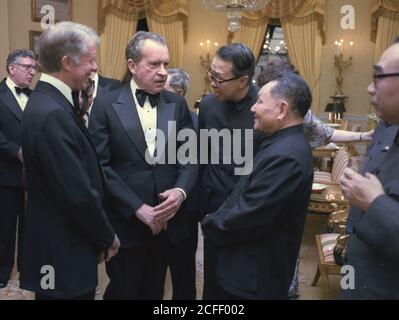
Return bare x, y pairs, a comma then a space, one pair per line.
258, 229
14, 92
228, 107
67, 231
145, 195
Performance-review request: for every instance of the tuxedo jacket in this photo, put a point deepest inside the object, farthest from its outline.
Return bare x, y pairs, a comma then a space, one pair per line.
373, 246
66, 225
218, 180
108, 84
10, 138
131, 181
259, 227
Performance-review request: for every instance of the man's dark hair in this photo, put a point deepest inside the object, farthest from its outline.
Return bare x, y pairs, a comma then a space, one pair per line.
292, 87
273, 69
241, 57
396, 40
15, 55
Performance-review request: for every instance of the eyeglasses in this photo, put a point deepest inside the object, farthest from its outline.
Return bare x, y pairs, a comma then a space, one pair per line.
28, 67
220, 81
377, 76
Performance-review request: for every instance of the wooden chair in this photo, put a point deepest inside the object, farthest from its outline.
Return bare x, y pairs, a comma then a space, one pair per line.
340, 163
325, 244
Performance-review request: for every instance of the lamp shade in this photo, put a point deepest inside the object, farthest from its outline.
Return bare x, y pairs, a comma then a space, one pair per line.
335, 107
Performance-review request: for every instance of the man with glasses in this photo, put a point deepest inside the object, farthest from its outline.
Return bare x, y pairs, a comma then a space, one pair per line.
14, 92
373, 247
230, 73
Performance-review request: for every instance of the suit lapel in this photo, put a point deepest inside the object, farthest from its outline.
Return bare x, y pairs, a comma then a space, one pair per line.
9, 100
165, 113
125, 109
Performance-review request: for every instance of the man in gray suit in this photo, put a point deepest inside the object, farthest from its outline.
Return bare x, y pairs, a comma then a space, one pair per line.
373, 248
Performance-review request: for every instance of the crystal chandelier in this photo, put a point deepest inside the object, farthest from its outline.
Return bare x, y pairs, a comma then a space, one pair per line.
234, 9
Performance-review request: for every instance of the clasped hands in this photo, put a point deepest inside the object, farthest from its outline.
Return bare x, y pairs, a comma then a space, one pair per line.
156, 218
360, 190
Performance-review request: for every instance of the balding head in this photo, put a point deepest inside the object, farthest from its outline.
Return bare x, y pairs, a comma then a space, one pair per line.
384, 89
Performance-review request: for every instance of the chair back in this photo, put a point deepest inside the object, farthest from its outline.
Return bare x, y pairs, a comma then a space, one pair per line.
340, 163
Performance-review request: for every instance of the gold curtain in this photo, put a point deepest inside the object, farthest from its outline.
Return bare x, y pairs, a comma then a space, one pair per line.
384, 25
252, 34
117, 20
304, 27
116, 34
172, 29
281, 11
304, 44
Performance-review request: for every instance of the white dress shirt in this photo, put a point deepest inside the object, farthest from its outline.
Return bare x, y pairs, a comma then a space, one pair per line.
148, 119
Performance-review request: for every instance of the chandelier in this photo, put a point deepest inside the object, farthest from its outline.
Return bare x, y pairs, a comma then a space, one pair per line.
234, 9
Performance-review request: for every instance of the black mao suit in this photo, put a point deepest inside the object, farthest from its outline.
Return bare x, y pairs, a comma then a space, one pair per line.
258, 229
66, 225
132, 181
11, 192
218, 180
373, 246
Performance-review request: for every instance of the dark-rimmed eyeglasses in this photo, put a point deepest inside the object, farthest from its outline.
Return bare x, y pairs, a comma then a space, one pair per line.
220, 81
28, 67
377, 76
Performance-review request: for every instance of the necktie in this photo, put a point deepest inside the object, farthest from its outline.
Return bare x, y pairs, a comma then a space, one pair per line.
26, 91
141, 95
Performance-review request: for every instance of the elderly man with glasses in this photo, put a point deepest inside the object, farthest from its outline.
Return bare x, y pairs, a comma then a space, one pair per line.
14, 92
373, 247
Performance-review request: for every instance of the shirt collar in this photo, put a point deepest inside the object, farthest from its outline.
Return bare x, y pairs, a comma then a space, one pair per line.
243, 103
11, 85
58, 84
95, 79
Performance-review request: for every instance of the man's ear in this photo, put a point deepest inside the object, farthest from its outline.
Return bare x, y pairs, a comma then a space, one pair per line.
244, 81
66, 62
180, 91
284, 108
131, 65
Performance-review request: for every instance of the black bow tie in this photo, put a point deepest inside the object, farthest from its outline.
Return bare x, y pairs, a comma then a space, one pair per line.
26, 91
141, 95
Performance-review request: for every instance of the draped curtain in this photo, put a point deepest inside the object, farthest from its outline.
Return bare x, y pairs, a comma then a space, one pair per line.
117, 23
384, 25
303, 23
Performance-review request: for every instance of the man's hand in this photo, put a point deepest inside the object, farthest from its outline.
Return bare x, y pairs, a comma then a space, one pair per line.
360, 191
172, 200
111, 251
146, 215
20, 156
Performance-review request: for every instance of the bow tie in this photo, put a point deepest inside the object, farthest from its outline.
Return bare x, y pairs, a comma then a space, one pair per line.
141, 95
26, 91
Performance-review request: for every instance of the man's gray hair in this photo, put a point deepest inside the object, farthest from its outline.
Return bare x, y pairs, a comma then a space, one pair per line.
179, 79
65, 39
135, 46
15, 55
